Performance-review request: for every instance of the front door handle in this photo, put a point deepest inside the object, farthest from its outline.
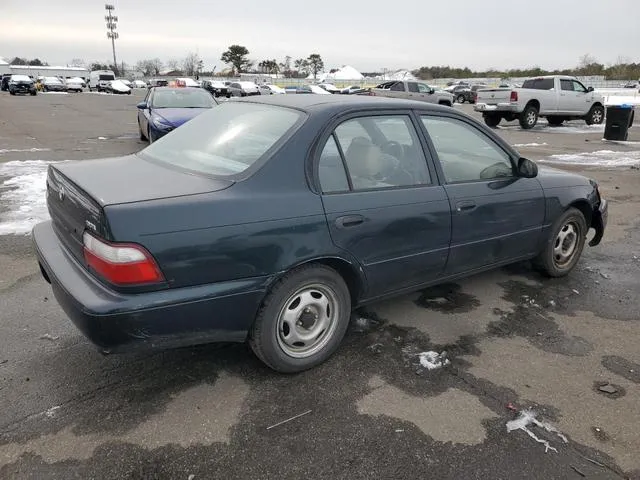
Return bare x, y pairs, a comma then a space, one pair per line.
349, 221
466, 206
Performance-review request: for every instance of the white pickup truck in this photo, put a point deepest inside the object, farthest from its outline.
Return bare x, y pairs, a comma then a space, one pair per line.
557, 97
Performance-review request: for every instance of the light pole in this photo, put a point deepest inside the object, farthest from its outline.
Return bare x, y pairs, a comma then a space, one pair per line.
112, 21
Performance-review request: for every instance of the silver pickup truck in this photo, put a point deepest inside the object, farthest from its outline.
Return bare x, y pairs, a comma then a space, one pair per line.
411, 90
557, 97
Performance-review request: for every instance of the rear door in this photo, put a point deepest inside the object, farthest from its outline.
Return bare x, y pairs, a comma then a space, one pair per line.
497, 217
144, 114
382, 201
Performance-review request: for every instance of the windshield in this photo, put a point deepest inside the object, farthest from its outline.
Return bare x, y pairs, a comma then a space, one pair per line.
181, 98
225, 141
106, 77
52, 80
20, 78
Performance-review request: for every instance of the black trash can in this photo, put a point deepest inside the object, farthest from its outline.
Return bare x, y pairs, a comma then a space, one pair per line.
619, 119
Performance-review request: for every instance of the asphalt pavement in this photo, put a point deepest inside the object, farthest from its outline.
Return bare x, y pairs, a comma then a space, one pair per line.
564, 350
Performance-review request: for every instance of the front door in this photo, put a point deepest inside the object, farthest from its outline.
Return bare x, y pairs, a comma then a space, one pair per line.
497, 216
575, 97
382, 202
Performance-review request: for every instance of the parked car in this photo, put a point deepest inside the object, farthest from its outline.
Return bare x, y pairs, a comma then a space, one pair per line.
556, 97
412, 91
228, 229
243, 89
187, 82
217, 88
75, 84
352, 89
461, 93
454, 83
99, 80
21, 84
634, 85
139, 84
118, 87
166, 108
271, 90
158, 82
4, 83
329, 87
128, 83
53, 84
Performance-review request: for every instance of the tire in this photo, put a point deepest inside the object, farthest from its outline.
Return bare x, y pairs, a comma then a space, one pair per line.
529, 117
460, 99
149, 135
595, 115
551, 261
323, 290
555, 121
492, 120
11, 93
445, 103
142, 137
33, 94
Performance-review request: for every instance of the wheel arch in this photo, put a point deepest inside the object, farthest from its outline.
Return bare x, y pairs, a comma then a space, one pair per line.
533, 102
585, 208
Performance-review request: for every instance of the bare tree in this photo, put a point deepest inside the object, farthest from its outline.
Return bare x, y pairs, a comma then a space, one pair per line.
157, 66
173, 64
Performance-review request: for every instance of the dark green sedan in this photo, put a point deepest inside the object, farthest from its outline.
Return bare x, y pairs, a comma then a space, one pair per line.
269, 219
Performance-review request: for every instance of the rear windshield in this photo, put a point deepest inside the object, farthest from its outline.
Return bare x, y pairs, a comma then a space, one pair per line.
181, 98
539, 83
20, 78
226, 140
106, 77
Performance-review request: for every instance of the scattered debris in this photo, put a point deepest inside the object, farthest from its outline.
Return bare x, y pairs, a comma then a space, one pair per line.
289, 419
575, 291
593, 461
600, 434
589, 269
48, 336
52, 411
46, 299
528, 417
2, 362
511, 407
399, 430
102, 138
605, 275
432, 360
608, 388
375, 348
578, 471
552, 303
191, 477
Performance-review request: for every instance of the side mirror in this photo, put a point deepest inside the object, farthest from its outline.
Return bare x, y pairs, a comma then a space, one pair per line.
590, 89
526, 168
432, 91
143, 105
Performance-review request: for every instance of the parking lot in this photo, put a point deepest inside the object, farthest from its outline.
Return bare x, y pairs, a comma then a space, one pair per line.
567, 349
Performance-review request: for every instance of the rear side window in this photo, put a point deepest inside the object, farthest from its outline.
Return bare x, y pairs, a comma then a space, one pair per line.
331, 172
539, 83
226, 140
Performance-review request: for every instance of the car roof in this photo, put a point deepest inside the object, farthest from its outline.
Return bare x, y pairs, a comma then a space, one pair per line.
189, 89
313, 103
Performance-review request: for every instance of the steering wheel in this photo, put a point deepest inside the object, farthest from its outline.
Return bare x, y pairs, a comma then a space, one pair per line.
496, 170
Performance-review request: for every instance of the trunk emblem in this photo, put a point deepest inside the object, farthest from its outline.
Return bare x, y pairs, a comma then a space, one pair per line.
61, 193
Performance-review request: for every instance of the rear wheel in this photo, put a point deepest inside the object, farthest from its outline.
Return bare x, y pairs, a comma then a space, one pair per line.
595, 115
529, 117
555, 121
564, 245
302, 320
460, 99
492, 120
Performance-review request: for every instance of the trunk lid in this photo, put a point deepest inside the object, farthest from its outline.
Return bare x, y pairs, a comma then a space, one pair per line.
493, 96
77, 193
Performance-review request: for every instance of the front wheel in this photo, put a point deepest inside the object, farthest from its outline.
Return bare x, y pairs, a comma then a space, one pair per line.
555, 121
564, 245
460, 99
492, 120
302, 320
595, 115
529, 117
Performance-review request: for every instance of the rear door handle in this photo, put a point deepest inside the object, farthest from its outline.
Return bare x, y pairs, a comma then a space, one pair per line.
466, 206
349, 221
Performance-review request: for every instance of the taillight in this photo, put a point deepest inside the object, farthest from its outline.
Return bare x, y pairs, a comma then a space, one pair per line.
514, 96
120, 263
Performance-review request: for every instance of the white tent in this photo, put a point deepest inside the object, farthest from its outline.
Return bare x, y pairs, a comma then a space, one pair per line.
399, 75
346, 72
4, 66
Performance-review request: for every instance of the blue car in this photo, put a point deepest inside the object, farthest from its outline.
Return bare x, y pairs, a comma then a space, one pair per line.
268, 219
165, 109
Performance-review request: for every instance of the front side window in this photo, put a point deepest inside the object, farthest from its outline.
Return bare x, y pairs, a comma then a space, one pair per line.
413, 87
226, 140
424, 88
181, 98
465, 153
578, 87
566, 85
382, 152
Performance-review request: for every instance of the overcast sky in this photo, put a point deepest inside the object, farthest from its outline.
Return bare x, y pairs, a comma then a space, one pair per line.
367, 34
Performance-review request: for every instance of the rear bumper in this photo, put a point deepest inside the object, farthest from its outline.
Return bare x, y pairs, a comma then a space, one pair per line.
115, 322
599, 222
497, 108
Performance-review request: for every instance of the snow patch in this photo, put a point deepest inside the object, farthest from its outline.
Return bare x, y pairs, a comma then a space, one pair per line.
530, 144
432, 360
601, 158
50, 413
54, 93
23, 194
527, 418
13, 150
